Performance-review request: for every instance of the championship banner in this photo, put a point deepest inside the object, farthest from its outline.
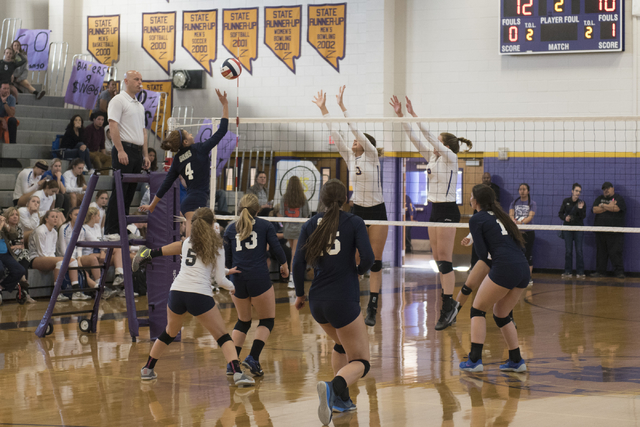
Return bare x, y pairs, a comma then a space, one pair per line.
225, 146
199, 36
103, 38
164, 114
309, 177
282, 33
159, 37
240, 34
85, 83
150, 101
327, 31
36, 44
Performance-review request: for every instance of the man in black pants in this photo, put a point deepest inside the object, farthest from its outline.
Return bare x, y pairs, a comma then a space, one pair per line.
610, 209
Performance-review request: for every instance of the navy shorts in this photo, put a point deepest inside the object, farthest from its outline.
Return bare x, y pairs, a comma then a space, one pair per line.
193, 201
445, 212
373, 213
339, 313
510, 275
196, 304
251, 288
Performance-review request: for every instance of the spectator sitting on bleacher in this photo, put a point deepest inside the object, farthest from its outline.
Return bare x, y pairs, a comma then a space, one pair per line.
7, 67
75, 183
102, 199
42, 251
21, 71
55, 174
47, 196
108, 142
30, 217
15, 235
94, 140
28, 182
102, 103
153, 159
10, 270
73, 144
8, 121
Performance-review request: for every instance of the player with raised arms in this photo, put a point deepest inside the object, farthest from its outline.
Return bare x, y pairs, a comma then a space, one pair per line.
328, 242
442, 155
363, 161
191, 161
245, 244
497, 238
202, 256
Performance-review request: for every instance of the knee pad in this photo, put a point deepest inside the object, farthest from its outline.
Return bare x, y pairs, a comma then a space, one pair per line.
339, 349
242, 326
165, 338
366, 364
223, 339
445, 266
475, 312
502, 321
267, 323
466, 290
73, 263
377, 266
58, 265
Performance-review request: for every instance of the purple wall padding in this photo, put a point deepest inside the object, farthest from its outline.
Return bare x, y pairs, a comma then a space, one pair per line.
162, 230
389, 167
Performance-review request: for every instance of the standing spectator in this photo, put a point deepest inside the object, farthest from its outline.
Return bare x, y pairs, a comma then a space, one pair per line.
573, 212
8, 121
28, 182
522, 211
486, 180
72, 141
610, 209
129, 155
94, 140
259, 189
102, 103
409, 212
21, 72
55, 174
7, 67
294, 205
76, 185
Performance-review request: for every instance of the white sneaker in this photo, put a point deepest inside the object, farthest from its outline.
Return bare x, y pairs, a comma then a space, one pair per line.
62, 298
530, 283
111, 237
107, 293
291, 285
118, 281
79, 296
122, 294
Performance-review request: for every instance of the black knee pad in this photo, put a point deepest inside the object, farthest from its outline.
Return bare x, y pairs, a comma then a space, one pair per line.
366, 364
242, 326
223, 339
475, 312
466, 290
339, 349
445, 266
165, 338
502, 321
267, 323
377, 266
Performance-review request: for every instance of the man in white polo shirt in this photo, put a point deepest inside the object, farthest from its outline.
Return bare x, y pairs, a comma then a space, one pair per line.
129, 153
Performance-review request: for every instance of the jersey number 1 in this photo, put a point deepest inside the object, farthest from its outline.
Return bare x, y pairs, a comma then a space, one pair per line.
504, 230
249, 245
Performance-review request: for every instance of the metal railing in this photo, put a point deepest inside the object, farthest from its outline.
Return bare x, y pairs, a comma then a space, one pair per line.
52, 82
10, 27
183, 114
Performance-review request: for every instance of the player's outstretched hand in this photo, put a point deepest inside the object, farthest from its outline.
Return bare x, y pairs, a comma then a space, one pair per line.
284, 270
222, 97
233, 270
409, 106
397, 105
340, 96
320, 99
300, 302
146, 208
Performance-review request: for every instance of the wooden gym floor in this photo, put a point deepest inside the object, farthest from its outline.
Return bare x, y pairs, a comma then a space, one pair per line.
580, 339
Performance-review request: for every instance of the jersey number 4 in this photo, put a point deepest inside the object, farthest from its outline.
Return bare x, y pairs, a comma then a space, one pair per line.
188, 171
250, 244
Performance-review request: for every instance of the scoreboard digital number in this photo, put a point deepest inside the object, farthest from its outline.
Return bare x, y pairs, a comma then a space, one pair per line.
561, 26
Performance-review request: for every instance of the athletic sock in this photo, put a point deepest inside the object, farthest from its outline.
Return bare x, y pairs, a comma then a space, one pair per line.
75, 285
151, 363
235, 365
156, 253
339, 385
345, 394
238, 349
256, 349
119, 271
476, 352
514, 355
373, 299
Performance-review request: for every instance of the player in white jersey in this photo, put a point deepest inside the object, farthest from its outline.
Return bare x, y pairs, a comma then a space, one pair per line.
363, 161
202, 255
441, 154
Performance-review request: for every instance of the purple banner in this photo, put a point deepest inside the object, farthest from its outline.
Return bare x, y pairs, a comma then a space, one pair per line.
150, 100
36, 44
85, 83
225, 146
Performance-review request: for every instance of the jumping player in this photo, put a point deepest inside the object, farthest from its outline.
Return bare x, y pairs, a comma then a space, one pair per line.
328, 242
363, 161
497, 237
202, 255
245, 244
442, 155
191, 161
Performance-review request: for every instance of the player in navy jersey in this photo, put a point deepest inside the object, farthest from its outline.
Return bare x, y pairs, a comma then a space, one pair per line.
498, 239
245, 244
191, 161
328, 242
202, 255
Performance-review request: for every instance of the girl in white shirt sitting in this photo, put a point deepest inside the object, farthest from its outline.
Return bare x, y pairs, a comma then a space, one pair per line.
30, 217
74, 182
47, 196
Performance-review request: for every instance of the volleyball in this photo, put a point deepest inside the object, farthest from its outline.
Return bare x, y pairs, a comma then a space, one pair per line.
231, 69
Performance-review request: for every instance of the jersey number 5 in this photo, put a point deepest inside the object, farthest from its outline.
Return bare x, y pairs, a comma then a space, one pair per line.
249, 245
335, 249
188, 171
191, 258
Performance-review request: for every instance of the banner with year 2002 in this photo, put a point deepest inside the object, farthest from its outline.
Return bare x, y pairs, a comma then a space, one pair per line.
327, 31
36, 44
85, 83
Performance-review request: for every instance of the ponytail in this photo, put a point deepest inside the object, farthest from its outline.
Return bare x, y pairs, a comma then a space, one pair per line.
249, 207
453, 142
486, 199
333, 196
206, 243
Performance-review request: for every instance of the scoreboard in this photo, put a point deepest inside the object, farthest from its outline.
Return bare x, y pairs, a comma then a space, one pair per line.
561, 26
